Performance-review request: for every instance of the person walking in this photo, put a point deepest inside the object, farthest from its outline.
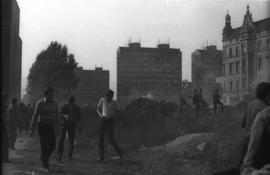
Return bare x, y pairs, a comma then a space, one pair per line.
106, 109
13, 116
216, 101
44, 116
71, 115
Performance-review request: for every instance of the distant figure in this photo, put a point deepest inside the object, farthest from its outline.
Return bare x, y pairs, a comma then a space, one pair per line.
5, 140
30, 112
107, 109
46, 111
12, 121
183, 102
23, 119
254, 107
196, 101
257, 158
216, 101
71, 115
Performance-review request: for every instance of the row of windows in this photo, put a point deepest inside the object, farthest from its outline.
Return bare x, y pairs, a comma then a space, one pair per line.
234, 68
233, 86
234, 51
261, 46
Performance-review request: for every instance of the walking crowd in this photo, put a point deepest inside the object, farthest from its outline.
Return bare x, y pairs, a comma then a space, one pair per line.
255, 153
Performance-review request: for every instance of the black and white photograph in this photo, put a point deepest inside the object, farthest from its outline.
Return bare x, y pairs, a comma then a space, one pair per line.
135, 87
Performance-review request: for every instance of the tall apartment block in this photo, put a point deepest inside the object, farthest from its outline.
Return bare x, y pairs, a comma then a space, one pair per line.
93, 84
11, 49
148, 72
206, 67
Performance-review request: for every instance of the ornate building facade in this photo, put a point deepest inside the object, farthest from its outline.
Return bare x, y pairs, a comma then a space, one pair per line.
246, 57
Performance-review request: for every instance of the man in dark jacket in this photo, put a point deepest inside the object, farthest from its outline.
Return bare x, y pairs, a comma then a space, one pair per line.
71, 115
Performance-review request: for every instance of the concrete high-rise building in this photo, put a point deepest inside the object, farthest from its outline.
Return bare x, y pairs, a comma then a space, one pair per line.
206, 67
11, 49
246, 60
148, 72
93, 84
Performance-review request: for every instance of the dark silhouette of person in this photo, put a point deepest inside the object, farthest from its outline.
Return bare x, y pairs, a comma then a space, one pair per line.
71, 115
13, 116
182, 102
261, 101
216, 101
107, 109
5, 140
196, 101
257, 158
46, 111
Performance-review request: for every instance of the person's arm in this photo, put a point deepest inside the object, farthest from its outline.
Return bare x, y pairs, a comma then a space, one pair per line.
99, 107
244, 120
79, 114
34, 118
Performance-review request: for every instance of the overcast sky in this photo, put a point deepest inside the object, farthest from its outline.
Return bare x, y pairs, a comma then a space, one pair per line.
94, 29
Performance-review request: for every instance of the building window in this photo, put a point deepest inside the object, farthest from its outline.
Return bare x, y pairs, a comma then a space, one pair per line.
244, 66
259, 63
236, 51
268, 43
237, 68
231, 86
243, 48
243, 83
231, 68
230, 52
259, 45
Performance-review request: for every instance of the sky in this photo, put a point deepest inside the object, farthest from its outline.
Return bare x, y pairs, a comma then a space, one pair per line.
94, 29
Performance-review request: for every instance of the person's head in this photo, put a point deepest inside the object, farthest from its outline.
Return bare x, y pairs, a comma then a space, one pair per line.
71, 99
49, 92
109, 94
263, 92
14, 101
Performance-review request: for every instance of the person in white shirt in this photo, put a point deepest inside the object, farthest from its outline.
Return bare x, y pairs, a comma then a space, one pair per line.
106, 109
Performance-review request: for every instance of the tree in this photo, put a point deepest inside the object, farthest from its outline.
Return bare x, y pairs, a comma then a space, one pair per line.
53, 67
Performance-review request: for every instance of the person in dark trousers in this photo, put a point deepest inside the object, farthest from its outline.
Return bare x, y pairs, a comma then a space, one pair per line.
107, 109
5, 141
71, 115
13, 116
46, 111
216, 101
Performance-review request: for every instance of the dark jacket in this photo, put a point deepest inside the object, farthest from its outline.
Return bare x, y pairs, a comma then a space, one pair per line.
73, 111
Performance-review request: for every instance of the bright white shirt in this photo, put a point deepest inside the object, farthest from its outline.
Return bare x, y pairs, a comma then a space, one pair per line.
108, 109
